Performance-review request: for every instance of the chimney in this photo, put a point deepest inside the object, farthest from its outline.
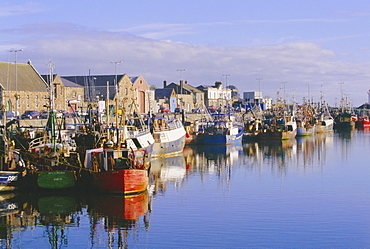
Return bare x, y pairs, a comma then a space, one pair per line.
186, 82
181, 86
164, 84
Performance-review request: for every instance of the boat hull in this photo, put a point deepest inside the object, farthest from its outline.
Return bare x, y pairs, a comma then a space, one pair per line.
303, 132
363, 122
169, 142
277, 135
58, 179
7, 180
223, 139
128, 182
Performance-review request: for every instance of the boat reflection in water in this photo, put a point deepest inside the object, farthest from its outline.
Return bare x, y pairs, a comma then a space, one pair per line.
117, 215
167, 170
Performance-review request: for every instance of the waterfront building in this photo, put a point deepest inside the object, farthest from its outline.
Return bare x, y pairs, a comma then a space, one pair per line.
188, 97
216, 95
127, 90
255, 98
165, 98
22, 88
68, 96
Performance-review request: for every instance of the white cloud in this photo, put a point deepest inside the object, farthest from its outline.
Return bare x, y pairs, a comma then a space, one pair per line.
74, 50
15, 9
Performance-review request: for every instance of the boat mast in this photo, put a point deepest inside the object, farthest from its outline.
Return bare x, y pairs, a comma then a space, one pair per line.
52, 113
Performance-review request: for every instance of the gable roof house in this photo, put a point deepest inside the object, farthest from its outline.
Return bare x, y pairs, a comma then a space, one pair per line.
68, 95
216, 95
101, 87
22, 87
165, 98
142, 93
189, 97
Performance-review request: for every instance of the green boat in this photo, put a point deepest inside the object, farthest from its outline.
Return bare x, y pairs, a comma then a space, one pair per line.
57, 179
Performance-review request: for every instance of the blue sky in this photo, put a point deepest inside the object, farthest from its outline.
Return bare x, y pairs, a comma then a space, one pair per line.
319, 48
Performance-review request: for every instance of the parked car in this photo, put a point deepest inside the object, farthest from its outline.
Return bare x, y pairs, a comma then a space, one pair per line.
163, 110
30, 115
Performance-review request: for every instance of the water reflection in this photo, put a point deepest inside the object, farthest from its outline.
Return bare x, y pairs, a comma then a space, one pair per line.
167, 170
112, 218
103, 221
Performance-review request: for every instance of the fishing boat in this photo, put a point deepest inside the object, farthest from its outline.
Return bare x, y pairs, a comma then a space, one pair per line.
363, 122
51, 156
281, 128
120, 165
345, 120
11, 163
223, 130
305, 128
8, 180
169, 136
325, 122
251, 129
115, 169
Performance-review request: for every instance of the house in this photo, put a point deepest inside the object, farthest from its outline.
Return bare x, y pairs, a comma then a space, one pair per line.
143, 93
22, 88
165, 98
188, 97
102, 87
68, 95
216, 95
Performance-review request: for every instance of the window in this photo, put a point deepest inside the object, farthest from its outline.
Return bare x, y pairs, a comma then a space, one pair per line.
28, 101
37, 101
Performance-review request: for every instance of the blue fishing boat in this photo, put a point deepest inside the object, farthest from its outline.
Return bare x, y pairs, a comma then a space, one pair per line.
223, 130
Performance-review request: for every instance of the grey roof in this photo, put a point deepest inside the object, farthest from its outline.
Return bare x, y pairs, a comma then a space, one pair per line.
96, 83
161, 93
98, 80
133, 79
68, 83
26, 79
187, 89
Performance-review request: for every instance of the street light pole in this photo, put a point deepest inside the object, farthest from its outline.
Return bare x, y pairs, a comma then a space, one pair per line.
227, 97
16, 95
259, 88
115, 72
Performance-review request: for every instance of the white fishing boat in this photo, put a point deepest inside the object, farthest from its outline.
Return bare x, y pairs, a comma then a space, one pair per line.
169, 136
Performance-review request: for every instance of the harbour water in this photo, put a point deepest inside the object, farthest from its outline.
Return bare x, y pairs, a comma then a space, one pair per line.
312, 192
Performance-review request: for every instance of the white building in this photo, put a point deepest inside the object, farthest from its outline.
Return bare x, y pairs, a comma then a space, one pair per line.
216, 95
256, 98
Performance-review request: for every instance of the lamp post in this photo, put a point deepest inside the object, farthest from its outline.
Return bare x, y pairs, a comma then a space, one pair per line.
16, 95
181, 70
227, 97
115, 72
259, 87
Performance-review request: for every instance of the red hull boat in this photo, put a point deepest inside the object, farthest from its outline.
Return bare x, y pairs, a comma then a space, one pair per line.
129, 181
363, 122
116, 170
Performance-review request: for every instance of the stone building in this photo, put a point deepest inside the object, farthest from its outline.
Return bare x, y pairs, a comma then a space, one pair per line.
68, 96
188, 97
22, 88
129, 91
